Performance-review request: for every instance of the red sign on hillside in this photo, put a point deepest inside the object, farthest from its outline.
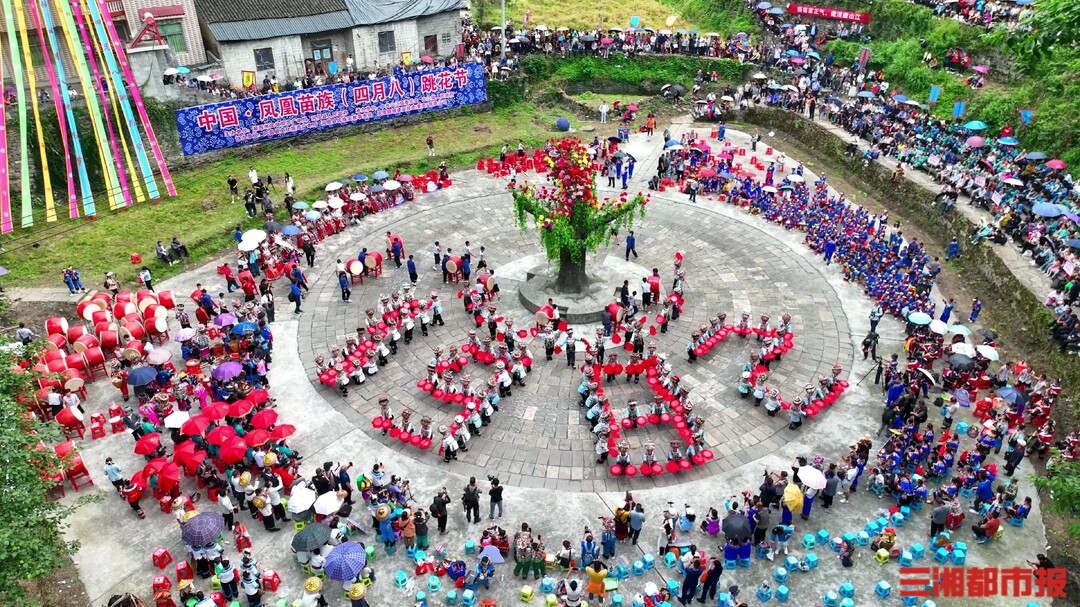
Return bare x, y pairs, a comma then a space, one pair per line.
824, 12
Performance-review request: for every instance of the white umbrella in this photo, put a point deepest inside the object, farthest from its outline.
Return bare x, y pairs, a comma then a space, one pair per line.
675, 148
962, 348
319, 204
987, 352
728, 98
391, 185
328, 503
938, 327
357, 196
759, 76
255, 236
205, 79
301, 499
247, 246
769, 189
795, 178
333, 186
172, 71
177, 419
541, 28
812, 477
336, 203
1014, 181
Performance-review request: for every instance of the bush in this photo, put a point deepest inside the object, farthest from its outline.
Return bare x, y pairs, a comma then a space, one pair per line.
647, 73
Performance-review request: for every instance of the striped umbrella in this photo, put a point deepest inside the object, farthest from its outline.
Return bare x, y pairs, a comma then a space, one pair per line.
346, 561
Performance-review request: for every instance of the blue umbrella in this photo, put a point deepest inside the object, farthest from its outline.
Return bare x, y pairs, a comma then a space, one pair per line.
1024, 2
866, 95
813, 54
975, 125
899, 98
141, 376
784, 26
671, 143
1012, 395
1073, 242
1035, 156
1047, 210
359, 177
183, 70
301, 205
312, 215
919, 318
764, 6
291, 230
377, 188
1008, 141
244, 327
380, 175
345, 561
793, 53
725, 175
776, 11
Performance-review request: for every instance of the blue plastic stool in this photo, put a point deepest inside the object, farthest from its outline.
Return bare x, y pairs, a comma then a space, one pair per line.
451, 598
823, 537
906, 511
959, 557
400, 578
849, 538
910, 601
967, 492
421, 597
780, 575
847, 603
730, 565
782, 594
882, 523
673, 587
811, 561
942, 555
391, 549
837, 544
831, 599
883, 589
962, 428
847, 590
744, 563
411, 552
638, 569
898, 519
960, 546
547, 585
468, 597
917, 504
929, 603
670, 560
809, 542
1016, 521
872, 528
433, 584
763, 594
917, 551
616, 600
649, 560
863, 538
721, 600
762, 553
622, 572
906, 559
470, 547
791, 563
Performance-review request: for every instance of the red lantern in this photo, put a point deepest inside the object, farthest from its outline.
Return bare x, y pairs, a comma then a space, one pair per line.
698, 459
425, 443
646, 470
654, 418
657, 469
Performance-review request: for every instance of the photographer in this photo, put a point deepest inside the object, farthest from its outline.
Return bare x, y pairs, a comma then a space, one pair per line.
470, 498
438, 508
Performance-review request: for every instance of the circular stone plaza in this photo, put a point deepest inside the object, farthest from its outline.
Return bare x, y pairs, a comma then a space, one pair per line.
539, 444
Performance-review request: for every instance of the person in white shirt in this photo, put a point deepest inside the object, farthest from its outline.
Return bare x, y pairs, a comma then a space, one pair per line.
253, 175
318, 561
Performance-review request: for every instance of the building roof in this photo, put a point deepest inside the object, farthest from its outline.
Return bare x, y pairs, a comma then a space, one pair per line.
231, 21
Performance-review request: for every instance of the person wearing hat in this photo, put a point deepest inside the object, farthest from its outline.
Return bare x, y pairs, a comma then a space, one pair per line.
571, 347
356, 595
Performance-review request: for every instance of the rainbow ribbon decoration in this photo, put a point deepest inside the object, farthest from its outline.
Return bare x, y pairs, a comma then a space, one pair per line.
20, 95
24, 38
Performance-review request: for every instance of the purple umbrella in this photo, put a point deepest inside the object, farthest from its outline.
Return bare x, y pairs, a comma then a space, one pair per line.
1073, 217
345, 561
228, 370
225, 319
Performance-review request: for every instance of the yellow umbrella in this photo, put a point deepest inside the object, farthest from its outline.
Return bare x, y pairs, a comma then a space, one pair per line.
793, 498
671, 20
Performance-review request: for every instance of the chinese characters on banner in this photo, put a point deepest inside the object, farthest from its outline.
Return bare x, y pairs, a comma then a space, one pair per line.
253, 119
824, 12
981, 582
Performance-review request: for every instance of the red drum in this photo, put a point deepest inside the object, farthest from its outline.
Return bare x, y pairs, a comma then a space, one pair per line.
51, 355
103, 300
373, 260
133, 317
453, 264
84, 343
48, 382
56, 324
544, 315
103, 326
69, 417
74, 361
101, 316
124, 297
392, 238
145, 303
122, 309
134, 350
193, 367
354, 267
74, 332
195, 295
57, 366
86, 309
166, 299
155, 311
55, 341
73, 380
145, 294
157, 326
42, 394
133, 331
94, 357
489, 284
109, 339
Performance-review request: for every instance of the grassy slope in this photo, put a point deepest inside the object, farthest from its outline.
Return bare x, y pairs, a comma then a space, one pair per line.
702, 15
203, 218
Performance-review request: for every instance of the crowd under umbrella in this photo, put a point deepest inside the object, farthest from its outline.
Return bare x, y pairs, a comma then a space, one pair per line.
1013, 395
255, 236
328, 503
221, 435
1035, 156
203, 528
311, 537
1044, 209
160, 356
380, 175
812, 477
988, 352
736, 526
141, 376
148, 444
346, 561
301, 499
333, 186
225, 319
244, 327
227, 370
359, 177
919, 318
291, 230
975, 125
300, 205
959, 329
962, 362
312, 215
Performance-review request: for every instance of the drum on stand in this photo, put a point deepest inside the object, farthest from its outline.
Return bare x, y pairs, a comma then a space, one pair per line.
133, 331
166, 299
354, 267
73, 380
70, 417
57, 366
155, 311
94, 357
110, 339
158, 325
86, 309
373, 260
56, 324
84, 343
453, 265
124, 297
145, 303
134, 350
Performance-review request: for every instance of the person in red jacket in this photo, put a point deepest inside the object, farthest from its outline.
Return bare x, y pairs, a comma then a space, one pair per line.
985, 531
133, 493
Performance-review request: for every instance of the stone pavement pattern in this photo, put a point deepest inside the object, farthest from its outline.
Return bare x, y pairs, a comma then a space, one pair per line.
538, 445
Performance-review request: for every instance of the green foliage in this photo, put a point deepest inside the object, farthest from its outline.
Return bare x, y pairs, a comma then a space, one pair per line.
506, 93
646, 73
31, 544
716, 15
1055, 24
1063, 483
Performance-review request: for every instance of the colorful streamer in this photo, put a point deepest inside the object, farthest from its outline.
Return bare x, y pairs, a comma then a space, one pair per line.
120, 88
24, 38
59, 83
88, 46
118, 47
5, 193
20, 97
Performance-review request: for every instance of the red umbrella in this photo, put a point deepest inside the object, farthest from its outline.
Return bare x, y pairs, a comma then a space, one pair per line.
195, 461
139, 480
241, 408
282, 431
168, 477
184, 451
1056, 164
632, 108
259, 397
257, 437
234, 450
216, 410
606, 41
264, 418
427, 59
220, 435
148, 444
195, 426
154, 466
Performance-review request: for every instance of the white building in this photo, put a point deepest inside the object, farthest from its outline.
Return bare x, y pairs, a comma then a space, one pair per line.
285, 39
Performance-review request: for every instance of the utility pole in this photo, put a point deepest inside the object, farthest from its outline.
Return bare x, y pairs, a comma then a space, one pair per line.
505, 39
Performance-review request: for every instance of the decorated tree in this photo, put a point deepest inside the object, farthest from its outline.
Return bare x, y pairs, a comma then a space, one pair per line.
569, 216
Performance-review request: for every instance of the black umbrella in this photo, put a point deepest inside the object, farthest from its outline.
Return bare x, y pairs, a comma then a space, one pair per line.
736, 526
271, 226
962, 362
987, 333
679, 89
203, 528
310, 537
614, 138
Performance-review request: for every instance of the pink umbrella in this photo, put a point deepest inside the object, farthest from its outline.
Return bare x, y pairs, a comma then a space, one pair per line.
725, 156
606, 41
982, 69
707, 173
1056, 164
798, 60
975, 142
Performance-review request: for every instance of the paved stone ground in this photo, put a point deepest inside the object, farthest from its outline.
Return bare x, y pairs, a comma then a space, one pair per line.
538, 445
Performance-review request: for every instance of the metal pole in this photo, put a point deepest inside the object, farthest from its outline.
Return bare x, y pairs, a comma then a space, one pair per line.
504, 38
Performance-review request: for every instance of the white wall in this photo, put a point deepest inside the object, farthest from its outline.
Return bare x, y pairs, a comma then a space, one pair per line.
238, 57
196, 52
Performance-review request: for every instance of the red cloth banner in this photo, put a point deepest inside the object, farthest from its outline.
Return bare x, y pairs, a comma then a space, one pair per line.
824, 12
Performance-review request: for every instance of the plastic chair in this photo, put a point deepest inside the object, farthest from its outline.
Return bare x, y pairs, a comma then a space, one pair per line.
906, 559
616, 600
638, 569
959, 557
650, 561
811, 562
831, 599
468, 598
670, 560
871, 528
823, 537
882, 556
400, 579
550, 600
451, 597
791, 563
433, 584
848, 602
1016, 521
763, 594
917, 551
847, 590
780, 575
527, 593
942, 555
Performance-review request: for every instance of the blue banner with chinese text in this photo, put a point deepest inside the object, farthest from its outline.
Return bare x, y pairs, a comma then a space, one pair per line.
221, 125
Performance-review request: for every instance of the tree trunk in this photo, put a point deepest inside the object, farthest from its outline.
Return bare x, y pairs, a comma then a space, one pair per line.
571, 277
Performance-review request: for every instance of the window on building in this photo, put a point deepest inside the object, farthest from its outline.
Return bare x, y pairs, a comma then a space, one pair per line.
386, 42
264, 58
446, 38
173, 34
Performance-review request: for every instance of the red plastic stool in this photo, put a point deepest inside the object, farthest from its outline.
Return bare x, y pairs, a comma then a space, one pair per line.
161, 558
183, 571
243, 542
162, 583
165, 503
164, 599
768, 151
219, 599
271, 580
97, 430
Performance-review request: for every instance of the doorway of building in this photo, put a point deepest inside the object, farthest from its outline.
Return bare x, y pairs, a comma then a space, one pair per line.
431, 45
